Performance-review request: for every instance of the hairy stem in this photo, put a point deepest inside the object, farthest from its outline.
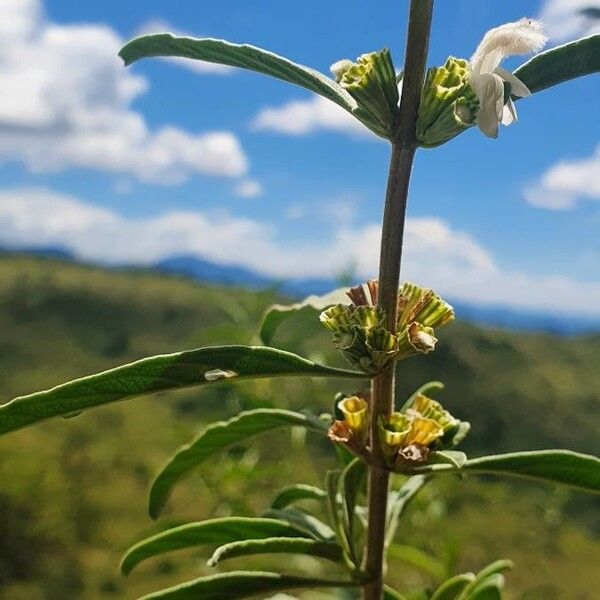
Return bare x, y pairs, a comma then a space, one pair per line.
403, 151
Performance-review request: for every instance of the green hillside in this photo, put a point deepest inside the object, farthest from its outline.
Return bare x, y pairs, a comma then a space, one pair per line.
73, 492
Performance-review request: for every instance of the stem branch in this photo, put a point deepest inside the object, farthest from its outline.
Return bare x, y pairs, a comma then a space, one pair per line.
382, 390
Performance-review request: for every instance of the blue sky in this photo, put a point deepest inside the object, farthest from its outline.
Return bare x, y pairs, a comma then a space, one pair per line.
132, 165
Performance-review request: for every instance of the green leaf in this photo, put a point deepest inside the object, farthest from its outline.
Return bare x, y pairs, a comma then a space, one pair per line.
581, 57
399, 501
430, 388
296, 493
243, 56
452, 588
350, 485
492, 574
217, 437
490, 589
452, 457
241, 584
308, 523
278, 545
313, 305
157, 374
581, 471
391, 594
418, 559
214, 531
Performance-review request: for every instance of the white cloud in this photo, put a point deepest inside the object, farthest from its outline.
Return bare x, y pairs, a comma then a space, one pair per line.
561, 186
569, 19
66, 102
451, 261
197, 66
301, 117
248, 188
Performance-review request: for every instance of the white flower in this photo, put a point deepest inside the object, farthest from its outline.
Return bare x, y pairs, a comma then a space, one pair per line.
487, 77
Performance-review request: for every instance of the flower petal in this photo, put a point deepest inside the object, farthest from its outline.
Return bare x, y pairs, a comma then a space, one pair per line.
490, 91
517, 87
509, 113
521, 37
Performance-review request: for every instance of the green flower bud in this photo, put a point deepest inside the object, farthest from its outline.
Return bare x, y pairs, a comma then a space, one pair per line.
448, 105
406, 437
415, 338
371, 81
432, 409
358, 333
423, 306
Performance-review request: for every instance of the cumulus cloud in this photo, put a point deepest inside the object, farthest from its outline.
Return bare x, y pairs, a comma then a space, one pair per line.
563, 184
569, 19
452, 261
197, 66
248, 188
66, 102
302, 117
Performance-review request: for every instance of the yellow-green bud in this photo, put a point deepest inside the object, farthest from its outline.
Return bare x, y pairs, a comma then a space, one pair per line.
431, 409
448, 103
392, 433
423, 431
371, 81
423, 306
355, 410
358, 333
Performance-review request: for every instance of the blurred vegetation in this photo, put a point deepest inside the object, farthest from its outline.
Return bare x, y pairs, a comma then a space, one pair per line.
73, 492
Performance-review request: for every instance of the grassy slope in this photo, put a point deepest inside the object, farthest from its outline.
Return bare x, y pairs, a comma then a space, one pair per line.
72, 493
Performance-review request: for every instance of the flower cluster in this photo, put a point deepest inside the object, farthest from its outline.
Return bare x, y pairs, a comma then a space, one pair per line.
360, 334
407, 436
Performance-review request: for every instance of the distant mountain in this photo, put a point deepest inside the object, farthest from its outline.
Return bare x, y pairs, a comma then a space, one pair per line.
203, 270
496, 316
209, 272
56, 252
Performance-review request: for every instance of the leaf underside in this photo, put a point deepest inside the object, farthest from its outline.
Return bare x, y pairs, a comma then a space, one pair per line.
581, 471
560, 64
237, 55
278, 545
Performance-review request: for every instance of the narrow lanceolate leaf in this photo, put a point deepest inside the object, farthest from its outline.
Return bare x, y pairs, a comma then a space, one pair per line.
489, 589
391, 594
491, 574
557, 466
398, 502
237, 55
217, 437
312, 526
296, 493
278, 545
581, 57
241, 584
350, 485
417, 558
214, 531
158, 374
278, 313
452, 588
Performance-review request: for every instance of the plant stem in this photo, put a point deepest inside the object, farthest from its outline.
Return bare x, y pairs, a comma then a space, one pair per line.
382, 389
